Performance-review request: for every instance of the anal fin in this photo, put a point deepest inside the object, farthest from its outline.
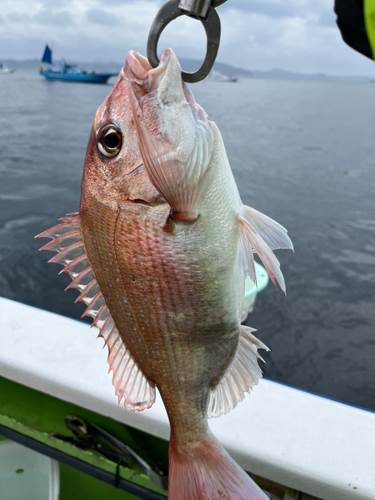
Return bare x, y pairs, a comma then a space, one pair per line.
241, 376
129, 381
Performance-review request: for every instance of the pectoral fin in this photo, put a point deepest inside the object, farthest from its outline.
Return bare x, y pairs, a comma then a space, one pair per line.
128, 380
272, 233
261, 234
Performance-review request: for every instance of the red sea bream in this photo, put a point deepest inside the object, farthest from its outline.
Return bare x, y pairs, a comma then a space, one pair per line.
159, 252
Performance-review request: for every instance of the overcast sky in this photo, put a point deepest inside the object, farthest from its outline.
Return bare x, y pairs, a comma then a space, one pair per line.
295, 35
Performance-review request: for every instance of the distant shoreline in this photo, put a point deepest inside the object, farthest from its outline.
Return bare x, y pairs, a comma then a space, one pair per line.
191, 65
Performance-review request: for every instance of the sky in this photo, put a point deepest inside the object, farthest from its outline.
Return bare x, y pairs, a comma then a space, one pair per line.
294, 35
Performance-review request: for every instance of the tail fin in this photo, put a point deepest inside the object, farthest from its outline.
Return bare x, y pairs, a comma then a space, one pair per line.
205, 471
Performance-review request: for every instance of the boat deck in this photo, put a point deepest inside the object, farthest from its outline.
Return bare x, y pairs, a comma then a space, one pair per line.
303, 441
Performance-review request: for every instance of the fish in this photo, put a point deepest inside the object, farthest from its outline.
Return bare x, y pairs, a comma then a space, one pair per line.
159, 252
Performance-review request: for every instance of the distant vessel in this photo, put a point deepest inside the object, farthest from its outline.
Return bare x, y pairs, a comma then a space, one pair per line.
4, 70
216, 76
69, 73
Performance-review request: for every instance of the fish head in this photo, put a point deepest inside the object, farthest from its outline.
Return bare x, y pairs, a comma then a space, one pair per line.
113, 167
164, 103
174, 135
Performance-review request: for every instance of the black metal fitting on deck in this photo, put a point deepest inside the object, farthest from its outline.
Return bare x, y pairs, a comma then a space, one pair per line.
89, 436
202, 10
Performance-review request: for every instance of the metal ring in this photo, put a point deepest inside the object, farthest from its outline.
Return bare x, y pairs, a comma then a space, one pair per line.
167, 13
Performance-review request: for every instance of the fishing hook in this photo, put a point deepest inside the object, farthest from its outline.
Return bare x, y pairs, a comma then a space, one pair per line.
202, 10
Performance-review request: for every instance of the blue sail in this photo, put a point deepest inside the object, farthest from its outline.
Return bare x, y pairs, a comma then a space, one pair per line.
47, 56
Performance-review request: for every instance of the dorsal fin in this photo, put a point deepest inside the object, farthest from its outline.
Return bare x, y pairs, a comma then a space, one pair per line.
128, 380
240, 377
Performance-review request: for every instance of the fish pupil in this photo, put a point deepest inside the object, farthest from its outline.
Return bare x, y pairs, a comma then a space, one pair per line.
111, 140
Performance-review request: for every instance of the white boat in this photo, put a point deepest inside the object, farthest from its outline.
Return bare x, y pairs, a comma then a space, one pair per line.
4, 70
216, 76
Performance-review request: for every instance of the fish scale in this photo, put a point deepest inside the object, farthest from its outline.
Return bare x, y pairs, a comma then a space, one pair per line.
170, 308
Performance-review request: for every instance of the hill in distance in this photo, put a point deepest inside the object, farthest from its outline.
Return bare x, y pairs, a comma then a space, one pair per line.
192, 65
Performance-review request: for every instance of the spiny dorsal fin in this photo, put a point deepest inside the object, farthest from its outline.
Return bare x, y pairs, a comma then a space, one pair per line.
241, 376
261, 234
128, 380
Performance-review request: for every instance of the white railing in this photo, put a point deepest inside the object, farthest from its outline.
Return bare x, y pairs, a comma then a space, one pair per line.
306, 442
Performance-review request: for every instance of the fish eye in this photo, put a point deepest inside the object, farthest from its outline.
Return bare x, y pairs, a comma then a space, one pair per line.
110, 140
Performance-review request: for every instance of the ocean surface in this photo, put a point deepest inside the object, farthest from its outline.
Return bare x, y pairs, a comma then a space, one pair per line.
303, 153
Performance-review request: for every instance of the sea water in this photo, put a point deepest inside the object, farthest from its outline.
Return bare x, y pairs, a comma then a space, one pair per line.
301, 152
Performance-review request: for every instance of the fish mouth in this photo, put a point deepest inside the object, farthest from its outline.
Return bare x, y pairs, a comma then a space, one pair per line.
141, 74
165, 81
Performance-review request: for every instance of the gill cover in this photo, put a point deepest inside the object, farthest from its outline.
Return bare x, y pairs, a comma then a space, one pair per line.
174, 136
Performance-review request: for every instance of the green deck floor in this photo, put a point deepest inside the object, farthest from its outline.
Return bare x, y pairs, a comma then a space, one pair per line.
37, 415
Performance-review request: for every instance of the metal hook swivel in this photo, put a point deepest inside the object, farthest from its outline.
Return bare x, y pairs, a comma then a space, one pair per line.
204, 11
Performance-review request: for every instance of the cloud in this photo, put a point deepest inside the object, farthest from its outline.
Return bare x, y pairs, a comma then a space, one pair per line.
297, 44
16, 17
61, 18
319, 11
271, 8
100, 16
327, 18
296, 35
127, 2
56, 3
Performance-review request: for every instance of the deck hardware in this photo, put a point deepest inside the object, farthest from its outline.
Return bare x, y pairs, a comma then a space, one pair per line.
64, 458
92, 437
